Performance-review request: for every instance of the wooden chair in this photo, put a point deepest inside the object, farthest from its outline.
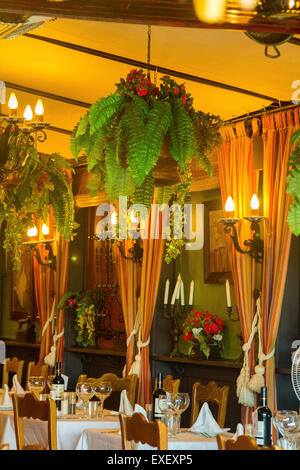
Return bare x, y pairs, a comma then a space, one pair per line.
169, 384
12, 366
4, 447
28, 406
136, 428
128, 383
243, 442
34, 369
209, 393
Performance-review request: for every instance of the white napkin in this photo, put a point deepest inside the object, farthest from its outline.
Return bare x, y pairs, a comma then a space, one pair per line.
2, 352
239, 431
66, 379
17, 388
206, 422
125, 405
140, 409
6, 401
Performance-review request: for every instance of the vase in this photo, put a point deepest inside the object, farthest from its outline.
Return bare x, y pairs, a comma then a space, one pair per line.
214, 351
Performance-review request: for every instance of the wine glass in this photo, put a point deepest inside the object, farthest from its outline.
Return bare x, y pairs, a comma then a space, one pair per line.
102, 391
85, 392
182, 402
287, 423
167, 405
36, 384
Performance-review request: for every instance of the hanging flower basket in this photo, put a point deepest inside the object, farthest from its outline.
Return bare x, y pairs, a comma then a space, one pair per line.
123, 135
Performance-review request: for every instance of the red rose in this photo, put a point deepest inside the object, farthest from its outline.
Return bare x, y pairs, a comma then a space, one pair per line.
183, 87
207, 329
176, 91
214, 328
219, 321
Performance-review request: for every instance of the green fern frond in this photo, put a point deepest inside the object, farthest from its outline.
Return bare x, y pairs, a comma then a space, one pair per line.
164, 194
144, 194
180, 134
102, 111
293, 218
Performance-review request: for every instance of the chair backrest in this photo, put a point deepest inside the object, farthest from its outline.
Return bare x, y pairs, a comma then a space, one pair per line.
169, 384
28, 406
209, 393
4, 447
243, 442
136, 428
128, 383
12, 366
37, 370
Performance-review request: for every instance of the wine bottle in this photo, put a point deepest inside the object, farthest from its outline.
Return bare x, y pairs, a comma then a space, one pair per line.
156, 397
264, 421
58, 386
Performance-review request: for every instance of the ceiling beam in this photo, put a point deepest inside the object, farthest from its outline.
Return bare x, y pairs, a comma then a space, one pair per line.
144, 65
178, 13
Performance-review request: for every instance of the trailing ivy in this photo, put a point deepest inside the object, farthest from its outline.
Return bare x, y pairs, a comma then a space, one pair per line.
27, 193
293, 186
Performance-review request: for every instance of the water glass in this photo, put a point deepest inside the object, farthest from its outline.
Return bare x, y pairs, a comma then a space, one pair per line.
287, 424
85, 392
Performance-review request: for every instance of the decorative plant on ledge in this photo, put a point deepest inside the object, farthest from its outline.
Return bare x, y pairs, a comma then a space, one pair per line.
293, 186
27, 193
122, 135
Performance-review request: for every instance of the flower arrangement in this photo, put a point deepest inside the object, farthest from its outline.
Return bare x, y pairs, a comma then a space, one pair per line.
86, 306
203, 329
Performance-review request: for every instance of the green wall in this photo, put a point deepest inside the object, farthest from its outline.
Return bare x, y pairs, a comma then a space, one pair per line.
211, 297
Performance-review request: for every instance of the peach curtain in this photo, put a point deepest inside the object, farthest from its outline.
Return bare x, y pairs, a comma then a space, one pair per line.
61, 278
44, 293
129, 277
153, 248
239, 180
277, 133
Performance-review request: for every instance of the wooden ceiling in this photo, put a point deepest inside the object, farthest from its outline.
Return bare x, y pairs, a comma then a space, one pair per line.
178, 13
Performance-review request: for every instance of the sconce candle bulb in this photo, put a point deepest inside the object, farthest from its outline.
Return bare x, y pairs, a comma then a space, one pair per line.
45, 229
210, 11
13, 104
32, 232
229, 207
39, 110
254, 204
28, 113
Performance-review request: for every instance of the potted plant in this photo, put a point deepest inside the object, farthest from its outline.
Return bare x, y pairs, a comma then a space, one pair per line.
122, 135
203, 333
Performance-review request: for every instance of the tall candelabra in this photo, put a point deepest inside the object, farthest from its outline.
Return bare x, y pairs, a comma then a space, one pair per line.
177, 313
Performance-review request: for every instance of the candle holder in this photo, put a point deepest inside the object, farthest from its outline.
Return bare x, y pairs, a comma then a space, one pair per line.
232, 316
177, 313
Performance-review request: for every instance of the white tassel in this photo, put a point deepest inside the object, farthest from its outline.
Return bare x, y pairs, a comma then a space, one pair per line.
50, 358
257, 380
135, 367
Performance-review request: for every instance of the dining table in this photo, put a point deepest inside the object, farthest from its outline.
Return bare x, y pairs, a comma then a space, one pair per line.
110, 439
69, 428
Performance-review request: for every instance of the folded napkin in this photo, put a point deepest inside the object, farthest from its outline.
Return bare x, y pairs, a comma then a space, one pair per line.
5, 400
140, 409
239, 431
206, 423
17, 388
125, 405
66, 380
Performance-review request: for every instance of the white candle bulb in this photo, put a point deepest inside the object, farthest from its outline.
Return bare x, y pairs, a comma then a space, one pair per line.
167, 286
182, 293
227, 285
191, 297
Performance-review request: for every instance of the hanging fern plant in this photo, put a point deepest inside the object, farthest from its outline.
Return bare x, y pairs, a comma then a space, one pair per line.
122, 135
27, 193
293, 186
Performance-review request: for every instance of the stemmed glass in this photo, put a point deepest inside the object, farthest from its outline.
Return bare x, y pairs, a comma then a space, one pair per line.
287, 423
36, 384
85, 391
182, 402
102, 390
172, 406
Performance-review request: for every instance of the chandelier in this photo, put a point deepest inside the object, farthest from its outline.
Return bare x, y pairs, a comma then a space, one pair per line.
279, 9
17, 134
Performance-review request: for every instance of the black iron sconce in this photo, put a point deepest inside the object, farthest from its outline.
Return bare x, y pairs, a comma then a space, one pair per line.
50, 259
255, 244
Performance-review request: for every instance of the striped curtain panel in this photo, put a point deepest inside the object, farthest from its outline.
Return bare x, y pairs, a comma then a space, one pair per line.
44, 293
151, 269
277, 133
129, 277
61, 278
239, 180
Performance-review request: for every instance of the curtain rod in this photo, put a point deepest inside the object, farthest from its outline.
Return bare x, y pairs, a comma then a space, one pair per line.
260, 113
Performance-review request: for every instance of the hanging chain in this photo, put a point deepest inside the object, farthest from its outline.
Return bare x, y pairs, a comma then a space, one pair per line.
148, 51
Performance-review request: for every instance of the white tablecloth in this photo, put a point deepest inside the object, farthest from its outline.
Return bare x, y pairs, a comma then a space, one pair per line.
97, 439
68, 430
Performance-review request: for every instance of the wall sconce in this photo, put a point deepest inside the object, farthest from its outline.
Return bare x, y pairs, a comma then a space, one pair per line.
255, 244
50, 259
